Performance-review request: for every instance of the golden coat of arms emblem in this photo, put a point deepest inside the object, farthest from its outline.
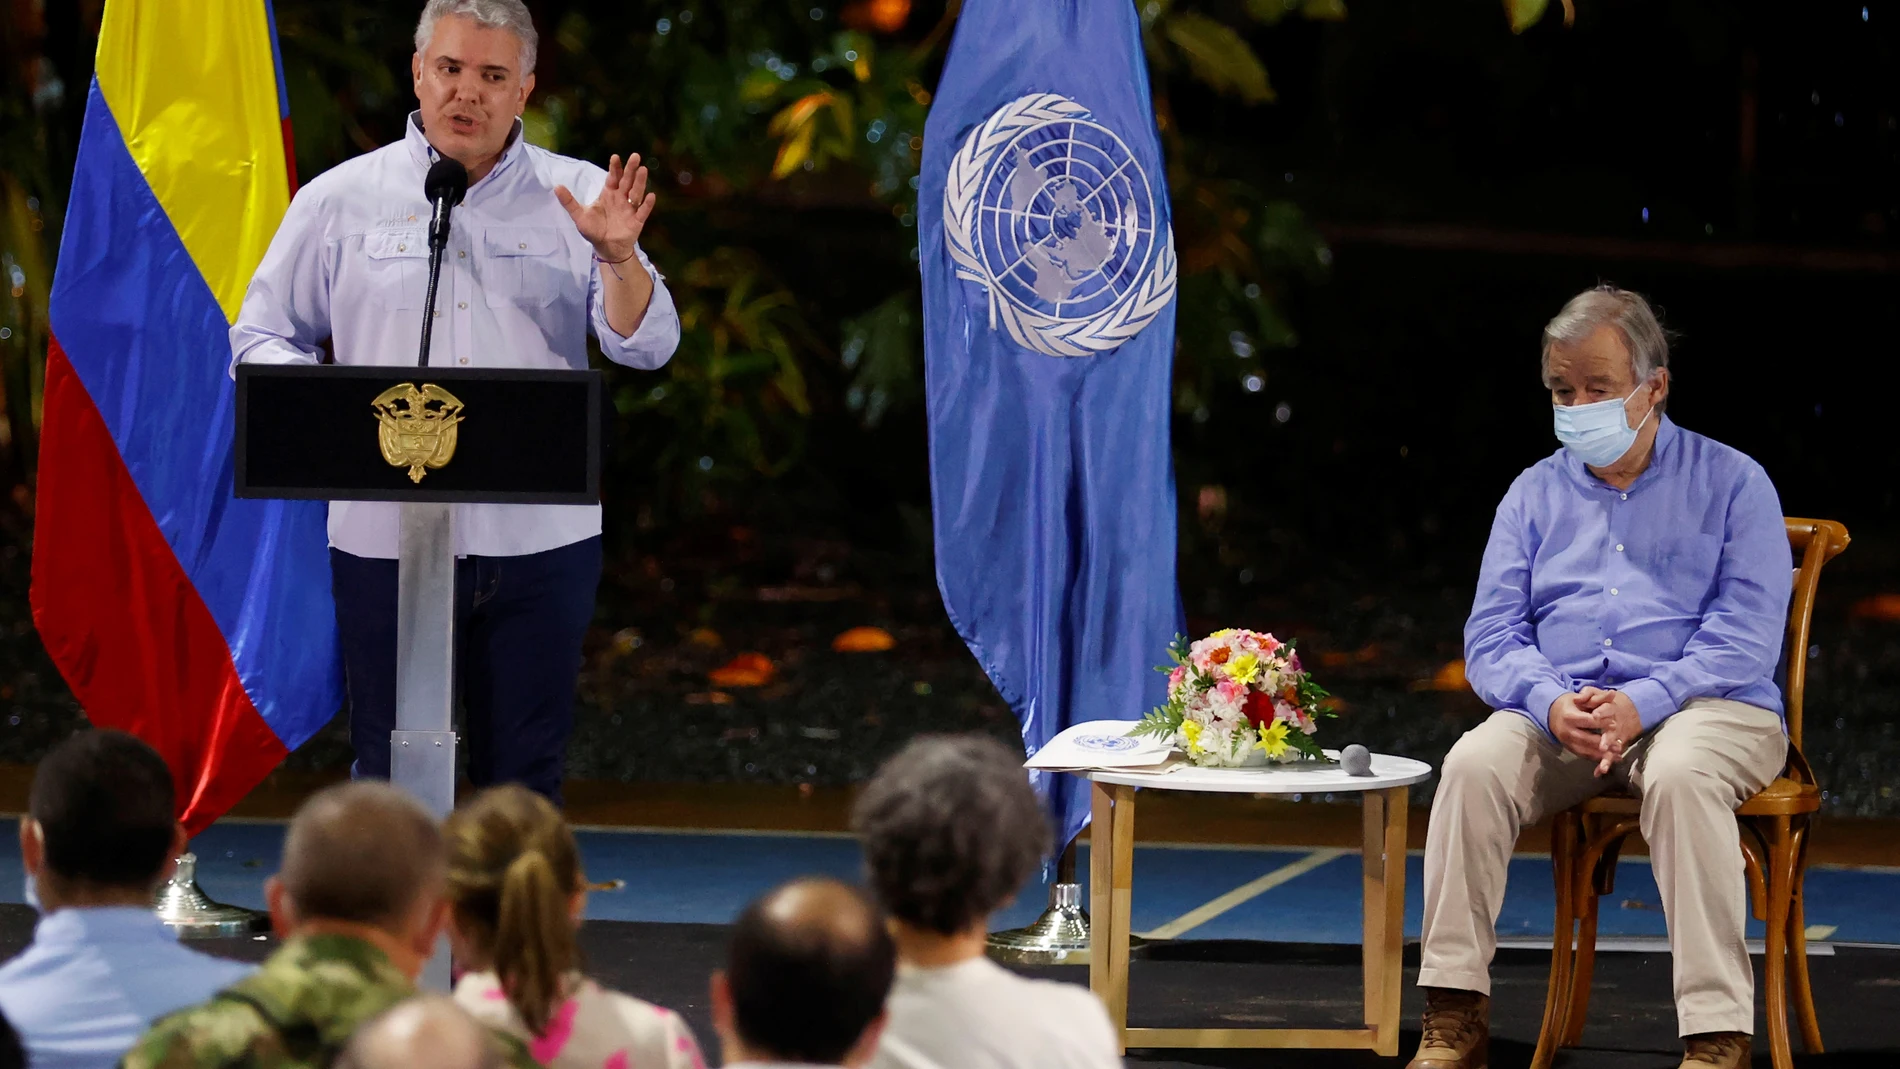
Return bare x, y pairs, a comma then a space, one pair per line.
417, 427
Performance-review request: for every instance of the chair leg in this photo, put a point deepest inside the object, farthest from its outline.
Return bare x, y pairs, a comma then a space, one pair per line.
1583, 965
1801, 990
1563, 865
1781, 866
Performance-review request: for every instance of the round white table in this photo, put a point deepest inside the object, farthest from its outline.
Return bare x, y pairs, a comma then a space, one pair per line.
1382, 860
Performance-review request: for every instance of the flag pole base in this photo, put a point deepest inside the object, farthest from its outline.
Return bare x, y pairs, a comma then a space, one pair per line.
1059, 937
192, 914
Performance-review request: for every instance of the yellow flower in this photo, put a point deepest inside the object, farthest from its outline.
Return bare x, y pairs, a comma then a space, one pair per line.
1244, 668
1191, 731
1273, 739
1224, 633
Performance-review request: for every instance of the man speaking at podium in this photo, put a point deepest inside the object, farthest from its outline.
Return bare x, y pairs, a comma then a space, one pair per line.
542, 249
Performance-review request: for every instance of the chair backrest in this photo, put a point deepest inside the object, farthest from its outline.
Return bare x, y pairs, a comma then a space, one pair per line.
1815, 542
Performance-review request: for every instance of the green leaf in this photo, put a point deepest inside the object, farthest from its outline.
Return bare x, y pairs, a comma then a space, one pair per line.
759, 85
1305, 743
881, 348
1270, 12
1525, 13
1160, 723
1219, 57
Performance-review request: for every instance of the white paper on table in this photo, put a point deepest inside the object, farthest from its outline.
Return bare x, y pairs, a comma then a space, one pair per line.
1101, 744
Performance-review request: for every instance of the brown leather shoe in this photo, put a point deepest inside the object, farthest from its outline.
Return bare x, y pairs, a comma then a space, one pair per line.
1725, 1050
1457, 1031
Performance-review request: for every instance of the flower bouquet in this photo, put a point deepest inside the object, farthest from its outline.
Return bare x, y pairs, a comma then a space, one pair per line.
1238, 698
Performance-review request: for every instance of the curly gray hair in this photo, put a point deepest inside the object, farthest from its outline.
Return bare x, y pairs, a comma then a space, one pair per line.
510, 15
950, 829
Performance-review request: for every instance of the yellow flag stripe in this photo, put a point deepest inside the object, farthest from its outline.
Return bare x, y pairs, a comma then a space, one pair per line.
195, 96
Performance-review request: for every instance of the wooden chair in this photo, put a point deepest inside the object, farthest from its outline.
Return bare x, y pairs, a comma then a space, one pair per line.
1585, 840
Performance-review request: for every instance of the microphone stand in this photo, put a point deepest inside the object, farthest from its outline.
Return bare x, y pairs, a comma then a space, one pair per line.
438, 243
422, 746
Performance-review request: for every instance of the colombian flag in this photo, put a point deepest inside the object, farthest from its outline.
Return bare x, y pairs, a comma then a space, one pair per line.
200, 622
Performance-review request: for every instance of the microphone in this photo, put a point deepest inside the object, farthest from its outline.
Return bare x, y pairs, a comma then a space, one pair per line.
445, 186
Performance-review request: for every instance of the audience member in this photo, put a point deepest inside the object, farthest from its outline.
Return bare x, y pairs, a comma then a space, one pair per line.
97, 841
359, 905
425, 1032
951, 830
806, 976
516, 895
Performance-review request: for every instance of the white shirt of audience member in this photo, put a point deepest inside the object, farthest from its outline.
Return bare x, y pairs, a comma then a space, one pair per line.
593, 1029
978, 1015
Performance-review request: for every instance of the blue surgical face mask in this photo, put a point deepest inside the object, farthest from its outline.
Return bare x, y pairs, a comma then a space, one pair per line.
1599, 433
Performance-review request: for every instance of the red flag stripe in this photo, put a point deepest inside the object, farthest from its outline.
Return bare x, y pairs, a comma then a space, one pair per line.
156, 664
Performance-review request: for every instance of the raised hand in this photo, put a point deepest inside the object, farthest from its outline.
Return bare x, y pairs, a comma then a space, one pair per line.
612, 224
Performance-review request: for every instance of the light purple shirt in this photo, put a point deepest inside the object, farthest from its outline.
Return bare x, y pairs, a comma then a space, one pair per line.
519, 288
1674, 590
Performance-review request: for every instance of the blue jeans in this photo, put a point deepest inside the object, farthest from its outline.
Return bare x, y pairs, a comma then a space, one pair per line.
519, 622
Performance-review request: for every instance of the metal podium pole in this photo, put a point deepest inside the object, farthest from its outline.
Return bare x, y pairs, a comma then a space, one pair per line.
422, 748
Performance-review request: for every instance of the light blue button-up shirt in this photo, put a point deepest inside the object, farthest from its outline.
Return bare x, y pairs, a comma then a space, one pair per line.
94, 979
1674, 590
519, 288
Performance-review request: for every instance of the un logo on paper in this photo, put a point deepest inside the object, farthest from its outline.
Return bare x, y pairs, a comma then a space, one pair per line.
1053, 215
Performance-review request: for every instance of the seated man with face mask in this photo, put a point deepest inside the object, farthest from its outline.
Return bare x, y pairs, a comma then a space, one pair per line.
1627, 624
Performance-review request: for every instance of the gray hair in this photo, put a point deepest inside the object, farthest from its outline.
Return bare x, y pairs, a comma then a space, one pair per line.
1625, 311
950, 830
510, 15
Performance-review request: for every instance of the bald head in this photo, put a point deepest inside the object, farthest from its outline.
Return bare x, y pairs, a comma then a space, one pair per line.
364, 853
425, 1032
808, 970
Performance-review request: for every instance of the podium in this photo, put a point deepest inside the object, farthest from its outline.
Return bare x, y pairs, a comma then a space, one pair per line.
429, 438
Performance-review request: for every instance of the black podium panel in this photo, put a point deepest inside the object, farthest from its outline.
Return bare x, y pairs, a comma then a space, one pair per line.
518, 436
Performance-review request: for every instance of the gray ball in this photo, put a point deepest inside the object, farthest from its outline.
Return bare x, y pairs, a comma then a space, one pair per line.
1356, 760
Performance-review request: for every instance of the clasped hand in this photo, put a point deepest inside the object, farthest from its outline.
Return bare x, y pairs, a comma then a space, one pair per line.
1596, 724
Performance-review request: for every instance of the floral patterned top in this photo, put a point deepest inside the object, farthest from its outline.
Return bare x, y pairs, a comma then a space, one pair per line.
593, 1029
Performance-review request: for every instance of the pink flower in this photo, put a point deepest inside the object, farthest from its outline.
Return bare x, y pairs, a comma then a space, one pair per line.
1231, 693
1269, 643
1177, 677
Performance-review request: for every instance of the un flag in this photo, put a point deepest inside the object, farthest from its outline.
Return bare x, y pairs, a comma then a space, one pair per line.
1049, 276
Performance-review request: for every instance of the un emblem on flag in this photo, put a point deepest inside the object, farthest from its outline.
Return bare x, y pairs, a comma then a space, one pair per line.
1054, 216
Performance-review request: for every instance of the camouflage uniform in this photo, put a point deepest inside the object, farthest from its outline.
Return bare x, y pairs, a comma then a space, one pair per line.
296, 1012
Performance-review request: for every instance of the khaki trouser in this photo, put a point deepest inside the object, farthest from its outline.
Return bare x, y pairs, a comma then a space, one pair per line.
1691, 773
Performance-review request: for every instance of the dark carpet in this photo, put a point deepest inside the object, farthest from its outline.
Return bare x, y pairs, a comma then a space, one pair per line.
1250, 984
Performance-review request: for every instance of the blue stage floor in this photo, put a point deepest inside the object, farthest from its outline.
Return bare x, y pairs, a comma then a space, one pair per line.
1268, 894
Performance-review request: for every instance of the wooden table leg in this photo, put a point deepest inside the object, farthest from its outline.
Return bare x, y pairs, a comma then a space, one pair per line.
1382, 861
1111, 870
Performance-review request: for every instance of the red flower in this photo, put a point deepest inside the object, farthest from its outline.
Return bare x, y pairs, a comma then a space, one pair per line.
1258, 709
